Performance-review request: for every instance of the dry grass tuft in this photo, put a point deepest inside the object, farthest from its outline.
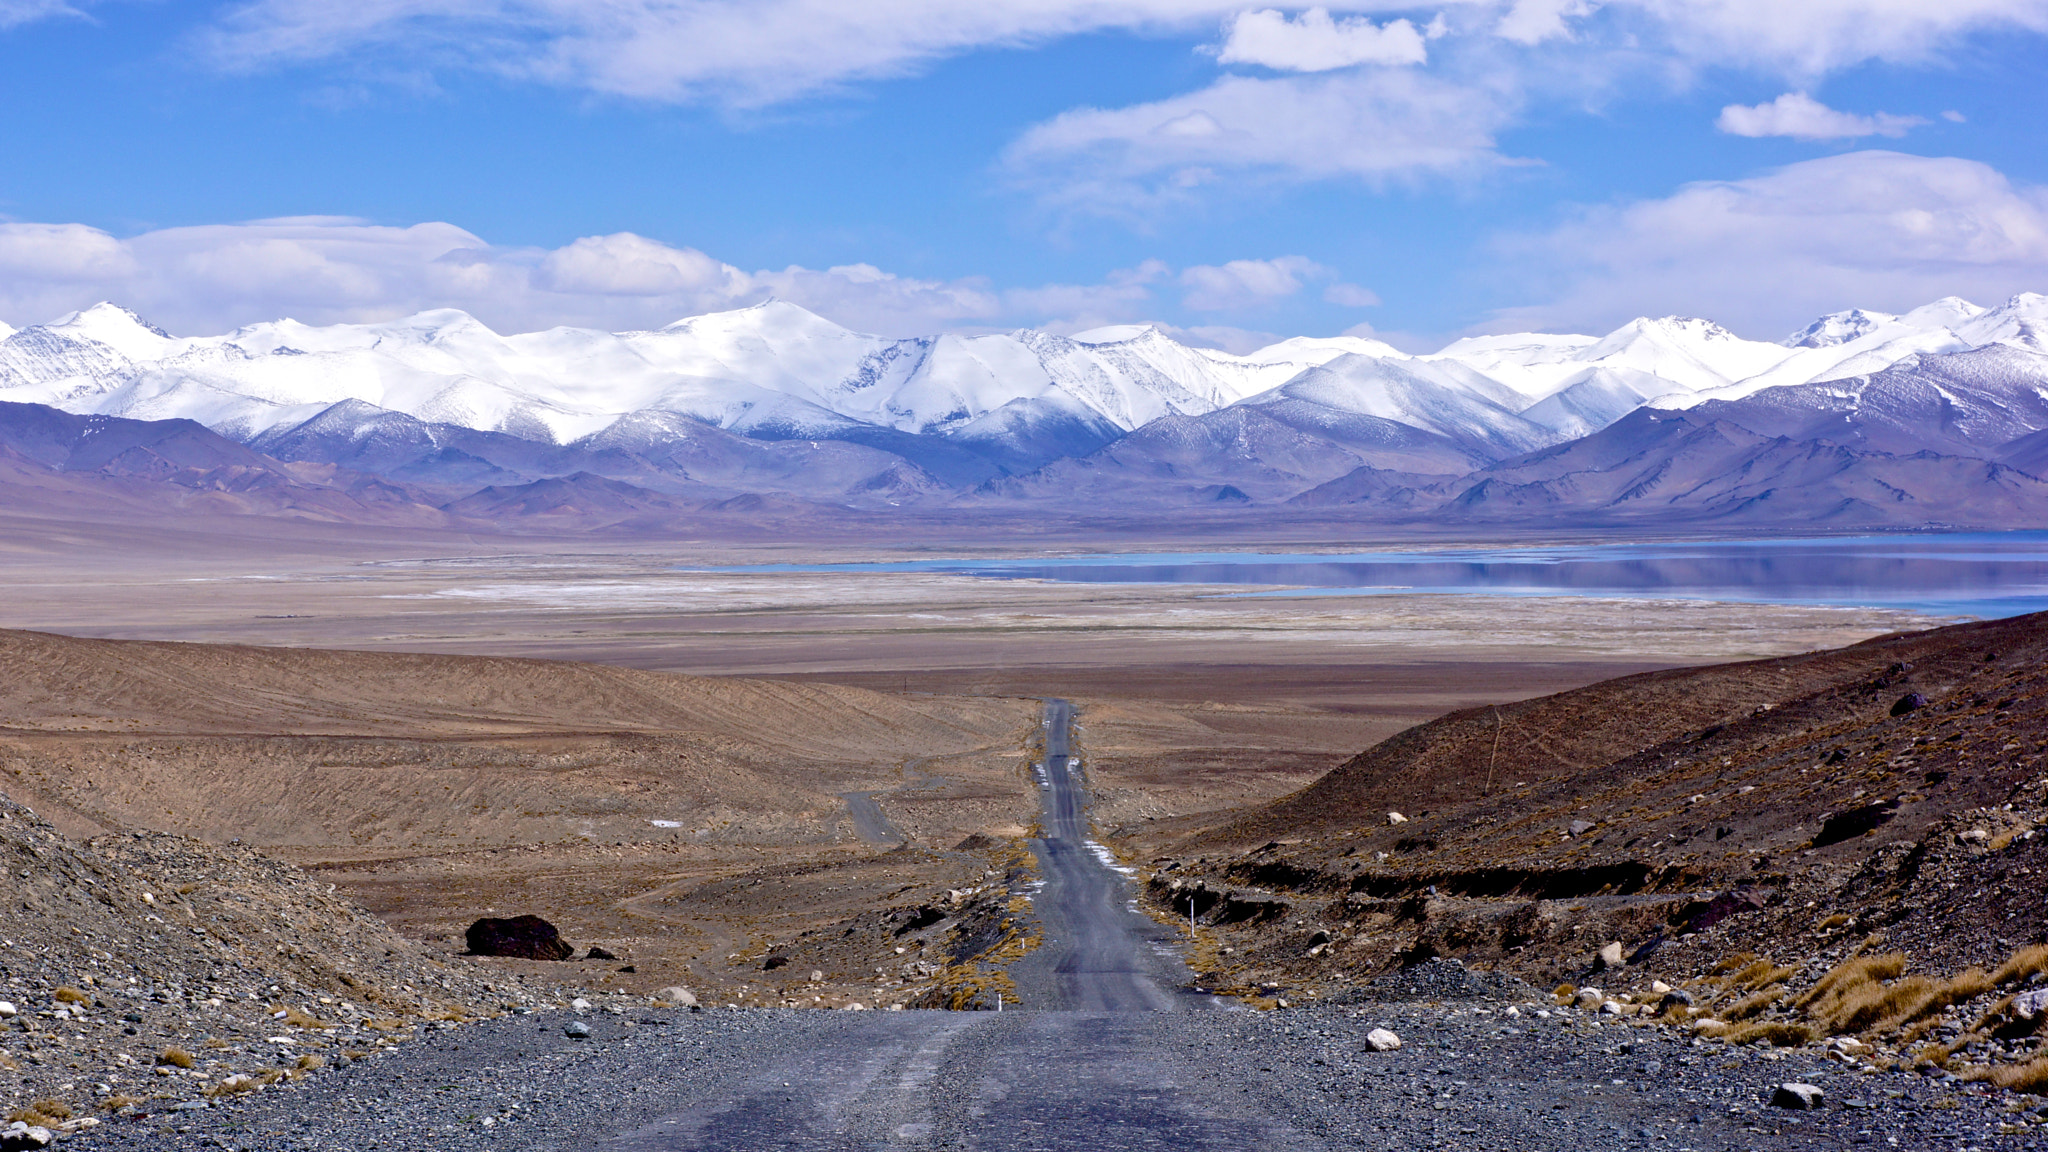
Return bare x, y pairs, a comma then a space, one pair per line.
1830, 923
2029, 1077
1780, 1033
70, 995
310, 1063
176, 1058
1751, 1005
2023, 964
1758, 974
216, 1043
41, 1114
119, 1100
1731, 963
1848, 976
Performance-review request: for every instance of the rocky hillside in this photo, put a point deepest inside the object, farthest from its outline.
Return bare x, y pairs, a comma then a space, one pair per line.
1887, 801
141, 971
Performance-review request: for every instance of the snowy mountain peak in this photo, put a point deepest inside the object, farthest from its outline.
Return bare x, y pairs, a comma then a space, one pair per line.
1838, 328
1113, 334
770, 314
2021, 321
1947, 312
117, 328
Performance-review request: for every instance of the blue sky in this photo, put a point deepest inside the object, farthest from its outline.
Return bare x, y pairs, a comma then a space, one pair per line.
912, 166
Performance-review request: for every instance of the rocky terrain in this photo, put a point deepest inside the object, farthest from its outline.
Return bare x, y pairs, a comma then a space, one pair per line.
1472, 1060
1846, 844
141, 970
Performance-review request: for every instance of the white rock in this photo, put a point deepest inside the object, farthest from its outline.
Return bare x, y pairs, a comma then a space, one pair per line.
1798, 1096
1588, 998
817, 977
1609, 955
20, 1135
856, 1006
1381, 1040
580, 1004
1848, 1046
1659, 987
1396, 818
8, 1011
1611, 1008
2028, 1005
677, 995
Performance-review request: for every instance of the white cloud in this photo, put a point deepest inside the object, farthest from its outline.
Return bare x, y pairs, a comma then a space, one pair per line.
15, 12
1811, 38
325, 270
1765, 255
329, 269
1376, 125
1242, 284
1318, 43
1534, 21
1351, 296
1801, 117
736, 52
753, 52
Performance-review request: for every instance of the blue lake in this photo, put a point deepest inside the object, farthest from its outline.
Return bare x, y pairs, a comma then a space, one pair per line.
1981, 574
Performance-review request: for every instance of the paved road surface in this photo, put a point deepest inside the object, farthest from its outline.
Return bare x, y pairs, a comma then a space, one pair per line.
1076, 1068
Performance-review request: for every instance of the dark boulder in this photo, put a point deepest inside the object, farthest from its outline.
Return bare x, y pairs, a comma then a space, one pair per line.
1855, 822
1701, 915
1910, 702
525, 937
597, 953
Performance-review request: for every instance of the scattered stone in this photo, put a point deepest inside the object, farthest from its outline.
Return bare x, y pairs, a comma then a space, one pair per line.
1612, 1008
1674, 999
191, 1106
8, 1011
1855, 822
580, 1004
597, 953
1659, 987
677, 995
1974, 836
1802, 1097
1381, 1040
576, 1030
1581, 827
1588, 999
817, 977
1910, 702
2029, 1005
1396, 818
21, 1136
1609, 956
524, 937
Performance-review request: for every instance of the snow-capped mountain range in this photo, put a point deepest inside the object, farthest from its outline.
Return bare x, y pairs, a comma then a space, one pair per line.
775, 398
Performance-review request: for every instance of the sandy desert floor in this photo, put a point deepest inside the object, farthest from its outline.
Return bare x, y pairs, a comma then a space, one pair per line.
1192, 699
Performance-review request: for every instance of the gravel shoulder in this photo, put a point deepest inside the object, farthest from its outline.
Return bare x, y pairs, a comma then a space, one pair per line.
1296, 1078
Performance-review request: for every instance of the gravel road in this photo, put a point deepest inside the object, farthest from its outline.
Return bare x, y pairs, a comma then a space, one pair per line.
1103, 1057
